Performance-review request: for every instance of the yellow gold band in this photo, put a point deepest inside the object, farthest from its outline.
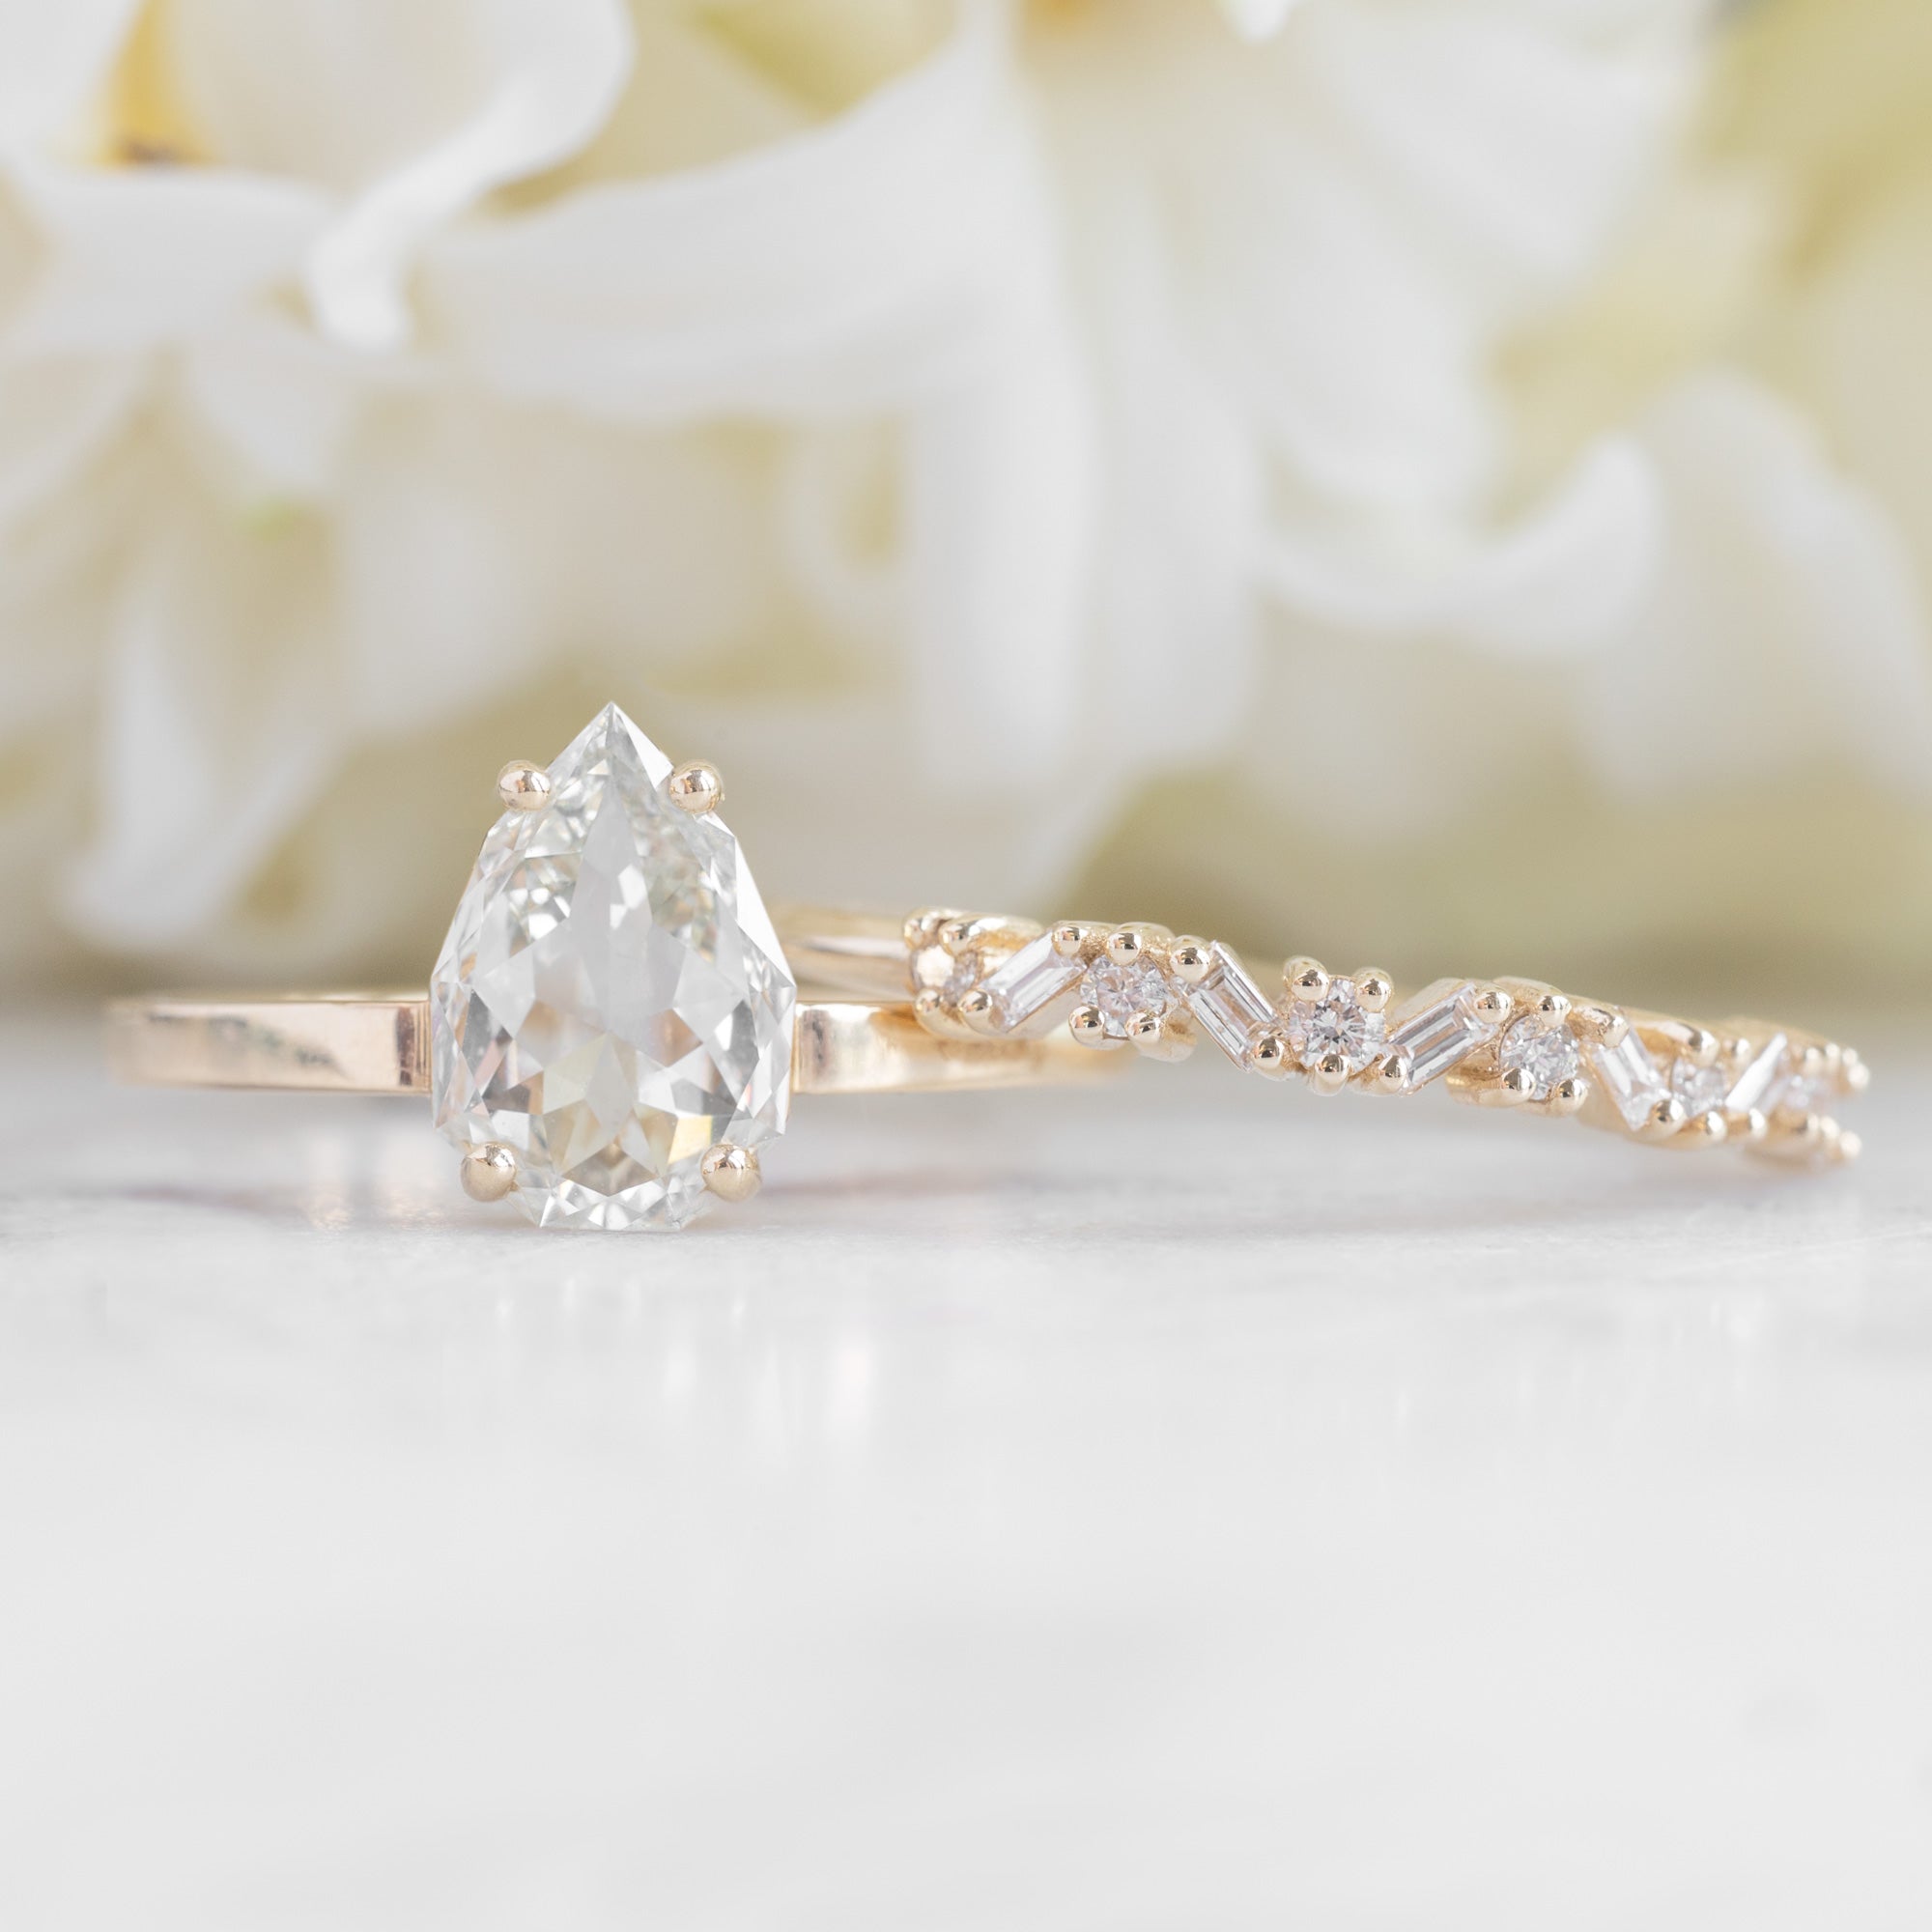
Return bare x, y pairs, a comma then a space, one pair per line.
378, 1043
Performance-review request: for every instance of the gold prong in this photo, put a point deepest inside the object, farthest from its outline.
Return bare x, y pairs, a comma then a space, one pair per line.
1601, 1026
1089, 1026
955, 934
1189, 959
730, 1172
1854, 1075
488, 1171
1124, 946
1813, 1063
929, 1010
695, 787
1568, 1096
1372, 987
1172, 1036
1552, 1009
1710, 1129
978, 1013
1492, 1004
1305, 980
1701, 1046
1515, 1088
524, 786
921, 928
1739, 1052
1665, 1121
1270, 1053
1071, 938
1328, 1075
1750, 1126
1849, 1146
1389, 1074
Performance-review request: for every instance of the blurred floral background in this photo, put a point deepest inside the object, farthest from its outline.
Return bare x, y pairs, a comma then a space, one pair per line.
1443, 480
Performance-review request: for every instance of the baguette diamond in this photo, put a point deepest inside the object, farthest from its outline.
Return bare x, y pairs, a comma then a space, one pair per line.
1753, 1086
1230, 1004
1631, 1078
1028, 984
1444, 1029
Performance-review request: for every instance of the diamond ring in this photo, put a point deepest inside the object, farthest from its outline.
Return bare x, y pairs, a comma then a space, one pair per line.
614, 1026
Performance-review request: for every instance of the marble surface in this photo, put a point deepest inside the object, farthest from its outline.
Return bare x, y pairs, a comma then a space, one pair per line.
1193, 1506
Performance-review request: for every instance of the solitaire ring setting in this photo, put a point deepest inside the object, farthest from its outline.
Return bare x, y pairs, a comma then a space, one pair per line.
617, 1026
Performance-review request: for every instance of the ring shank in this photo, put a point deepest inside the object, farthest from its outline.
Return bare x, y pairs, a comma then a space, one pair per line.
378, 1043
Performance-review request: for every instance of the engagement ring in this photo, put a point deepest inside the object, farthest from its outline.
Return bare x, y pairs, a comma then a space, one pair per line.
615, 1026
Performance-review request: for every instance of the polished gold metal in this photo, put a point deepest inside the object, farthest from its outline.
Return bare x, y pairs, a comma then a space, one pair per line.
1666, 1050
524, 786
696, 786
489, 1171
377, 1043
920, 1022
731, 1173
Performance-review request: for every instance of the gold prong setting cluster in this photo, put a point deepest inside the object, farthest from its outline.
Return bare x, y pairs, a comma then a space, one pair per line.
1506, 1043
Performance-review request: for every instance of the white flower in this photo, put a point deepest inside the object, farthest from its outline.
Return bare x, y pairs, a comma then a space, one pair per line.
1015, 408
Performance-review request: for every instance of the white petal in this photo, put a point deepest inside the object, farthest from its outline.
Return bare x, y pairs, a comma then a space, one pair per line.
1788, 628
411, 109
839, 270
1257, 19
478, 541
1511, 144
1001, 498
55, 416
136, 257
272, 407
219, 718
1558, 582
54, 54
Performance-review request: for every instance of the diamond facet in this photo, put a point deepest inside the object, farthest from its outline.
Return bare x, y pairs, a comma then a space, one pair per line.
612, 1001
1752, 1087
1548, 1054
1027, 985
1631, 1078
1229, 1004
1120, 992
936, 970
1335, 1024
1443, 1029
1703, 1089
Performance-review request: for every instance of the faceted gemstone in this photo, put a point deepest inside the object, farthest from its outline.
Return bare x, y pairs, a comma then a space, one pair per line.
1797, 1095
612, 1001
1027, 985
1753, 1086
1703, 1089
936, 969
1337, 1023
1120, 992
1229, 1004
1443, 1029
1548, 1054
1630, 1077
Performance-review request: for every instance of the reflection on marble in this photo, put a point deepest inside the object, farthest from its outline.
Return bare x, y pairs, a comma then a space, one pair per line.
1201, 1507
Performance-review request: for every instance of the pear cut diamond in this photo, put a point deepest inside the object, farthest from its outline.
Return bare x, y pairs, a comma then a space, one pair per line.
612, 1001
